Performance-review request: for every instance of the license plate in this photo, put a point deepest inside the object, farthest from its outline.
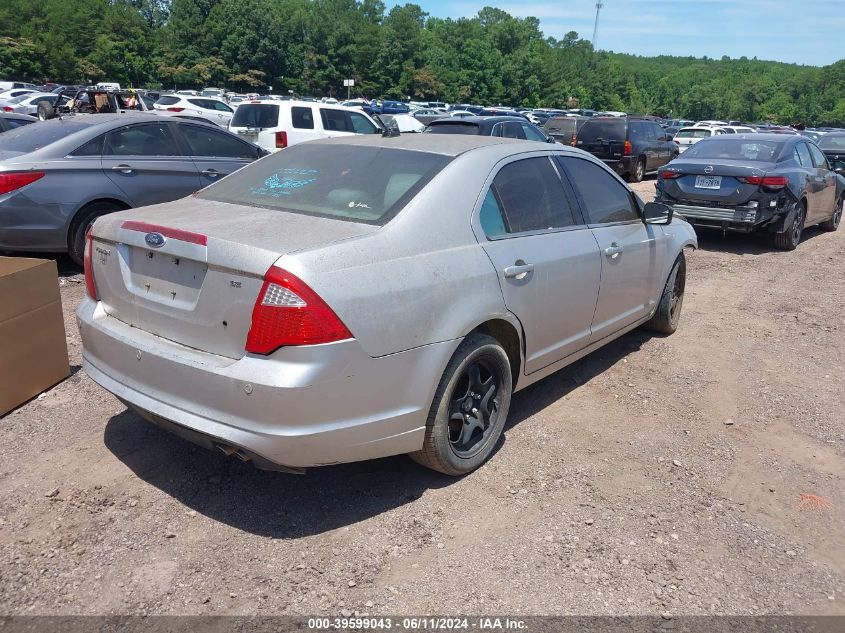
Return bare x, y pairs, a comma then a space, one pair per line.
708, 182
248, 134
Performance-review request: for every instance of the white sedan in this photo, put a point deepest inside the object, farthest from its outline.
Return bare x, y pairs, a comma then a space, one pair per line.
213, 110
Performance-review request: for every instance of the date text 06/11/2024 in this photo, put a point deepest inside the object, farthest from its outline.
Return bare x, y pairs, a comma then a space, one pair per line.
374, 623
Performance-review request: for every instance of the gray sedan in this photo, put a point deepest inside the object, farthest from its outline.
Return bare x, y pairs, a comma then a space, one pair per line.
58, 176
355, 298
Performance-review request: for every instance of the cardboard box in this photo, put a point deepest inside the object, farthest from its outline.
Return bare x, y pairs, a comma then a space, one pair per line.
33, 348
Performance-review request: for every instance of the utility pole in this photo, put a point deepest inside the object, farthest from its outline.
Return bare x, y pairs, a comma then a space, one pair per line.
599, 5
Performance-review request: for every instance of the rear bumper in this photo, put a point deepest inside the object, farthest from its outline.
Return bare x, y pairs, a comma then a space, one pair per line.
299, 407
621, 166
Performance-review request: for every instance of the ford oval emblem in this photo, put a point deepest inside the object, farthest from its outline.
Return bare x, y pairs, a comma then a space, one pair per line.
155, 240
708, 169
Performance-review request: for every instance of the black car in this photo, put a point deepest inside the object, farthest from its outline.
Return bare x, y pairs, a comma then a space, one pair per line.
833, 146
501, 112
564, 129
774, 183
506, 126
632, 147
11, 121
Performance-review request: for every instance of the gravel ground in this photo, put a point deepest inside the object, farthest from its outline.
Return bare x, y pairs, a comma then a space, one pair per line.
660, 474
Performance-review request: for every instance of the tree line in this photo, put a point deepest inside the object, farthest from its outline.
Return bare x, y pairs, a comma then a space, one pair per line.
311, 46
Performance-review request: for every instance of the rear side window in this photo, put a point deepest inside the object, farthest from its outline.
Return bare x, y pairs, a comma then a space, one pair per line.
94, 147
204, 141
693, 133
511, 129
167, 100
260, 115
602, 129
605, 199
802, 155
358, 184
303, 118
818, 158
531, 196
152, 139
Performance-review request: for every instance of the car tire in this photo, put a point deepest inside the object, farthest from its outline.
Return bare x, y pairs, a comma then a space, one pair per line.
639, 171
46, 111
668, 313
477, 380
789, 239
81, 223
833, 223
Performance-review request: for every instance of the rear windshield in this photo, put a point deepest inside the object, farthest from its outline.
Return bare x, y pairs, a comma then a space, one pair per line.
452, 128
256, 115
832, 142
33, 137
735, 149
602, 130
167, 100
694, 133
358, 184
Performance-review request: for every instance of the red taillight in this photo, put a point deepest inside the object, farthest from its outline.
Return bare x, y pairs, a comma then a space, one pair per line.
669, 175
629, 149
8, 109
89, 271
775, 182
17, 179
288, 312
281, 140
175, 109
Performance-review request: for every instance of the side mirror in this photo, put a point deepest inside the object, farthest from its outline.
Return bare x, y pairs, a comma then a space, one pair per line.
839, 167
657, 213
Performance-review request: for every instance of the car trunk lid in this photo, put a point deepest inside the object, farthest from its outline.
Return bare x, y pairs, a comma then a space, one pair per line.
702, 180
190, 271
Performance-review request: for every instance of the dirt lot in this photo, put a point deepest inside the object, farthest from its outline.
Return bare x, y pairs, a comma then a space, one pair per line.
657, 475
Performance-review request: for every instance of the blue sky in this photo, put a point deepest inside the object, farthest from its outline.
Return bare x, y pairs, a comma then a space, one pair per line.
800, 31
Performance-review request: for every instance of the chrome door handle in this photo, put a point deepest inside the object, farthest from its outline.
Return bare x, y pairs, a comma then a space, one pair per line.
519, 270
123, 169
211, 173
613, 251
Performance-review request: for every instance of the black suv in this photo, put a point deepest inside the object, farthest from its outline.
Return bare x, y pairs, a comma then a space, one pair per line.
630, 146
506, 126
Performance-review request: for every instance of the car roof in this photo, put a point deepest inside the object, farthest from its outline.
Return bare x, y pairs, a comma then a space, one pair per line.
477, 120
443, 144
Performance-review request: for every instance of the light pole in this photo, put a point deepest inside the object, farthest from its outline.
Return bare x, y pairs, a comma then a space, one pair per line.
599, 5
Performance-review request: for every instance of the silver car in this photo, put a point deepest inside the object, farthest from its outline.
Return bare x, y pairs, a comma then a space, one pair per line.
58, 176
355, 298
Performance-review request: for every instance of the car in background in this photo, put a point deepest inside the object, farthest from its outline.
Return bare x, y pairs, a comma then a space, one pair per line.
564, 129
17, 85
504, 126
404, 123
7, 95
57, 177
355, 298
811, 134
390, 107
769, 183
11, 121
276, 125
427, 115
502, 112
28, 103
214, 93
738, 129
833, 146
689, 136
92, 101
711, 124
214, 110
633, 147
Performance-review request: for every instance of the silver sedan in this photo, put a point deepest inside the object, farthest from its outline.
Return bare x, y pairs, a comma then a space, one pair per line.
362, 297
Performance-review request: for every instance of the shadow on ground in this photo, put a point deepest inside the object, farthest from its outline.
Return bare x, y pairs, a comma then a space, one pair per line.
745, 243
292, 506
